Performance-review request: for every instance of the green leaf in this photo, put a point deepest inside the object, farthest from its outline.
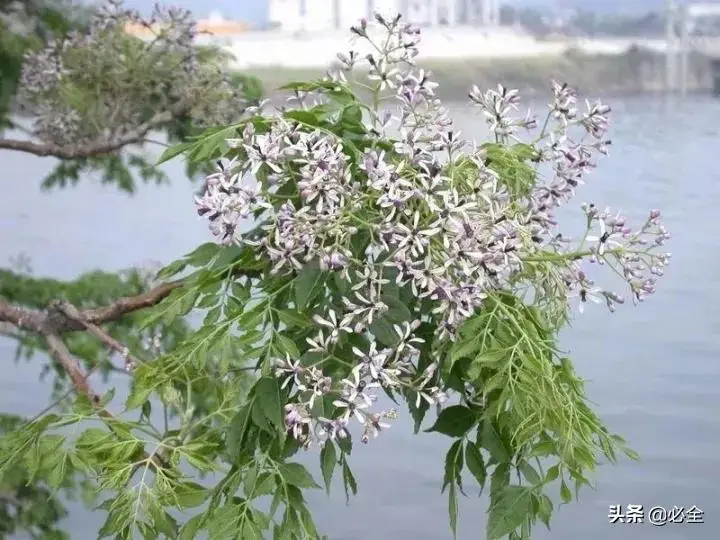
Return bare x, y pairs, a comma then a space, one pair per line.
465, 348
297, 475
384, 332
304, 117
191, 528
510, 162
454, 421
509, 508
475, 463
203, 254
545, 509
163, 521
237, 431
348, 481
338, 92
58, 471
490, 438
285, 345
267, 397
190, 495
294, 319
139, 394
172, 269
542, 449
552, 474
106, 398
345, 444
453, 509
453, 465
631, 454
352, 114
530, 474
565, 494
307, 285
398, 312
173, 152
328, 460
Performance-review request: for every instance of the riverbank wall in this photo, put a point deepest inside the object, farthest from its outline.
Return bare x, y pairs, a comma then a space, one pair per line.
635, 71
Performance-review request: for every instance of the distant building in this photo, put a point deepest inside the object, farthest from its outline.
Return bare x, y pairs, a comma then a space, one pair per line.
318, 15
214, 29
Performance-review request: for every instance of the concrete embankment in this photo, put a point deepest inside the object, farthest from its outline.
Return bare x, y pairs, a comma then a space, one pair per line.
635, 71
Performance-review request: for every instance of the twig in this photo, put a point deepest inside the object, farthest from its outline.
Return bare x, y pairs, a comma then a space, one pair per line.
9, 330
60, 399
72, 312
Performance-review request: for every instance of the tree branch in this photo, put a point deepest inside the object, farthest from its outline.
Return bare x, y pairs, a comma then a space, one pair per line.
56, 321
126, 305
72, 367
72, 313
134, 136
62, 317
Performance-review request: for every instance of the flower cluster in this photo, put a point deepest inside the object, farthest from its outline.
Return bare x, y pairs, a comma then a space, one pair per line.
442, 218
60, 83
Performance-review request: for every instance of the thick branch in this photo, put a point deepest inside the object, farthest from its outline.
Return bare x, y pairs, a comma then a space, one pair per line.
21, 317
72, 367
126, 305
56, 321
99, 148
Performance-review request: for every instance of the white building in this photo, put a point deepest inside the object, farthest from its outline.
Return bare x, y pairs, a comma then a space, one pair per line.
317, 15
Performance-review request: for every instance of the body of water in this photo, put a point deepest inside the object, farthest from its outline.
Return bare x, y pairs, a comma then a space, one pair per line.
653, 371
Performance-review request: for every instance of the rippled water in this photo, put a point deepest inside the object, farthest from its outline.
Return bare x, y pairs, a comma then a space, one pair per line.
653, 370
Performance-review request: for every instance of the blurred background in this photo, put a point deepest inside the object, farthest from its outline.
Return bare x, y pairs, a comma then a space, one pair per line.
652, 370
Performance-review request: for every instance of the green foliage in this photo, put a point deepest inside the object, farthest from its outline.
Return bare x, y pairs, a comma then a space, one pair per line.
41, 19
28, 493
535, 421
31, 489
514, 165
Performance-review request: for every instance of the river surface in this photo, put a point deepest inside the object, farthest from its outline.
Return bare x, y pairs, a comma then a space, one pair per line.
653, 371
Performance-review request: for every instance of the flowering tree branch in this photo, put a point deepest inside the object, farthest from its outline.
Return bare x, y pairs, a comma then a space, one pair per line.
99, 147
86, 101
388, 255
